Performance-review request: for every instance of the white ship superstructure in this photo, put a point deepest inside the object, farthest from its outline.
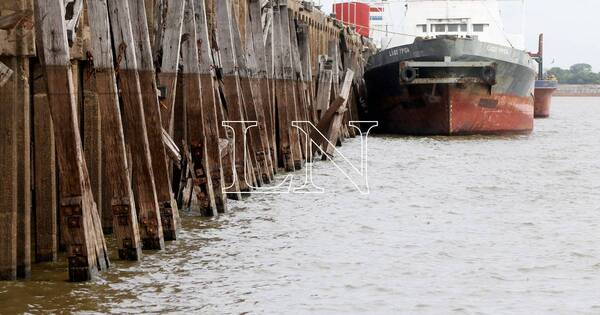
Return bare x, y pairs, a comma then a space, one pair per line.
479, 19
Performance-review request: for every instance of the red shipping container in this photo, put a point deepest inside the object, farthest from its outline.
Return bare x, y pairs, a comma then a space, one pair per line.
354, 13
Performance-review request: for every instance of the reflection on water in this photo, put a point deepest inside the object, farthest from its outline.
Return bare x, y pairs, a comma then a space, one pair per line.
464, 225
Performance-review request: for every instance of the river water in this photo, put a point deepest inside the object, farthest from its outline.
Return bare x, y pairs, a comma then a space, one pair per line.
465, 225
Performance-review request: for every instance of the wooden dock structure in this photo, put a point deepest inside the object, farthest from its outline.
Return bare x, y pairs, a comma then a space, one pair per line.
117, 114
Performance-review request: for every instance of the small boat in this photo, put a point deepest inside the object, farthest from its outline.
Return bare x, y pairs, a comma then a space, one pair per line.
461, 73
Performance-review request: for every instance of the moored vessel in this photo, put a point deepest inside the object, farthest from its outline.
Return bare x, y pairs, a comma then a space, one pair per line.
460, 73
544, 90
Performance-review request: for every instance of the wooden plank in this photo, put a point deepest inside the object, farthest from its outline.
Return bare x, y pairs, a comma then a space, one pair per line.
23, 170
210, 107
286, 158
336, 124
170, 49
8, 172
5, 73
171, 147
144, 188
121, 204
45, 185
198, 163
80, 223
289, 84
168, 207
231, 90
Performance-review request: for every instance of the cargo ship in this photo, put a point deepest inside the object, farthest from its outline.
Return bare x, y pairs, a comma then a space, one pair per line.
455, 71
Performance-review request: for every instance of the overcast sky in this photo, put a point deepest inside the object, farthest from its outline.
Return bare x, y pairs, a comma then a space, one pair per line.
571, 29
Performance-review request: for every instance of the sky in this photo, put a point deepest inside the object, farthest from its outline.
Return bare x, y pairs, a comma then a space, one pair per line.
571, 30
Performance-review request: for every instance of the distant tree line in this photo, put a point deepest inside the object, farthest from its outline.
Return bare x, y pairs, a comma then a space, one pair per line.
580, 73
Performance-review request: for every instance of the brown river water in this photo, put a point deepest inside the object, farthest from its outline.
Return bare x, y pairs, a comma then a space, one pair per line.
465, 225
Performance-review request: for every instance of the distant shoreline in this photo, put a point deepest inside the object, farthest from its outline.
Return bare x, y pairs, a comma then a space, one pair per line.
578, 90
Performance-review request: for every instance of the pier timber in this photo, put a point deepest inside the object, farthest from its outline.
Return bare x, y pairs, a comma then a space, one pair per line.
115, 115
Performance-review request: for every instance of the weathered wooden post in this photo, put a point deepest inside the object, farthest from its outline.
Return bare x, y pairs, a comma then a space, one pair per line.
261, 79
199, 163
23, 169
289, 84
252, 102
210, 105
170, 49
231, 90
80, 223
8, 172
136, 136
324, 85
122, 204
286, 159
45, 184
300, 90
304, 39
168, 207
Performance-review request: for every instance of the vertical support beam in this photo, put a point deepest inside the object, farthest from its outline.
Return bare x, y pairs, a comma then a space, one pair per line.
199, 164
288, 80
300, 90
304, 39
151, 232
23, 169
286, 158
8, 172
210, 105
80, 222
255, 36
324, 86
269, 59
251, 100
46, 246
231, 90
169, 213
92, 139
122, 206
167, 77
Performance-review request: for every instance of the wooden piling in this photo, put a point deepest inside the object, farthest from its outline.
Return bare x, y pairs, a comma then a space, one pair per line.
23, 169
252, 100
170, 51
151, 231
169, 213
92, 137
199, 164
122, 206
284, 145
80, 222
45, 184
8, 172
232, 92
210, 105
289, 85
262, 79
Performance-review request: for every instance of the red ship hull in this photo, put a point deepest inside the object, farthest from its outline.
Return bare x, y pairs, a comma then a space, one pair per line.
458, 111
